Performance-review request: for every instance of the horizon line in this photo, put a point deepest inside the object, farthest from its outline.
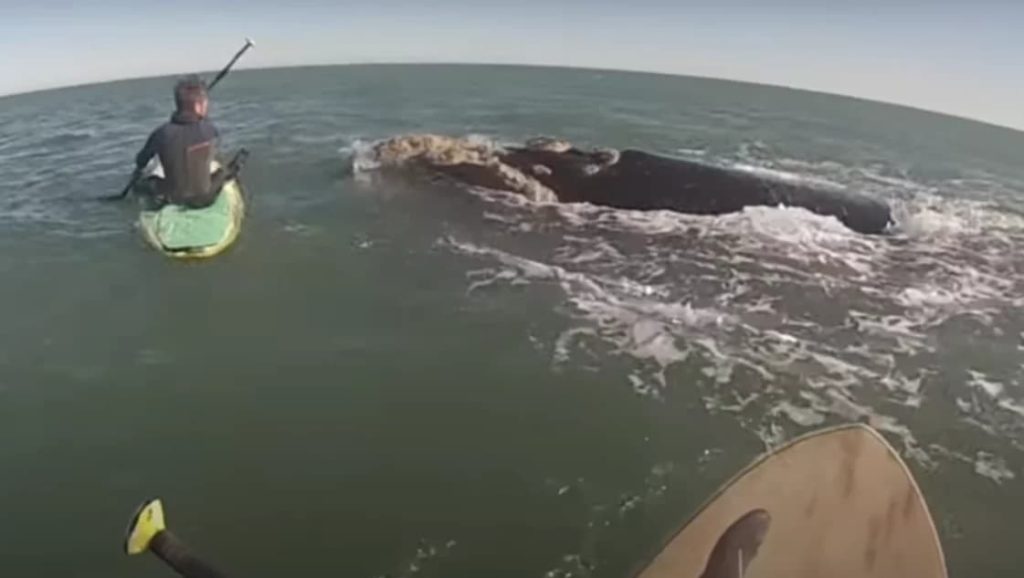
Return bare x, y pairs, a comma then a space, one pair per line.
949, 115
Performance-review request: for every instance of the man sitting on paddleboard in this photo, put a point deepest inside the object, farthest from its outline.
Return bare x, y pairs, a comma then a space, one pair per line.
185, 146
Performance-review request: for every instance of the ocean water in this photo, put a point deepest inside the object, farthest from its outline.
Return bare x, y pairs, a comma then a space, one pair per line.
385, 378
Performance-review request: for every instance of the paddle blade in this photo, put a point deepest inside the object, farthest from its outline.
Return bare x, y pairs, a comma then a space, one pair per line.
147, 522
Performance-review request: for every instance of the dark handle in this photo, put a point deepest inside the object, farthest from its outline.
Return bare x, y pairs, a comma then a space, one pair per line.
224, 72
177, 555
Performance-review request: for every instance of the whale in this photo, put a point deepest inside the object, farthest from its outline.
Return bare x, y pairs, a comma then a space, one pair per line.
548, 169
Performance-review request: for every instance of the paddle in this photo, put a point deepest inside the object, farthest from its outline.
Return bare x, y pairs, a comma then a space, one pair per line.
248, 44
137, 174
147, 532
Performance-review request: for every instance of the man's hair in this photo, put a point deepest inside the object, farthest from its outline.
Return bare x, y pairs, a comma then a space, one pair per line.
189, 91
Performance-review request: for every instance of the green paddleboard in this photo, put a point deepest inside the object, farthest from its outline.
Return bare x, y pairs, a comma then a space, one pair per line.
185, 233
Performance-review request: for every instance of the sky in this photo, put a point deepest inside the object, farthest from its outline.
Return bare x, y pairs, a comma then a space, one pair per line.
960, 58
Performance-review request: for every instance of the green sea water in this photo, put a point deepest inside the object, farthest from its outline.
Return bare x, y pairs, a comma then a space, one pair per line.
391, 378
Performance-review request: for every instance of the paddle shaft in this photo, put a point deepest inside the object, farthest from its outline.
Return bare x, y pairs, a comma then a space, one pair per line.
177, 555
138, 173
127, 189
227, 69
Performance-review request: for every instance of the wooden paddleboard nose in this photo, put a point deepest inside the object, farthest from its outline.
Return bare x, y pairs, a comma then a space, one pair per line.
839, 503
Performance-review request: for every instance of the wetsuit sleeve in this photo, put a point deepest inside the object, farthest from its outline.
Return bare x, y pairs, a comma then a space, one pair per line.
147, 151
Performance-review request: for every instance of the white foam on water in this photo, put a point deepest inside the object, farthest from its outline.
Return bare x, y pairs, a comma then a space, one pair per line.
609, 515
771, 434
789, 319
928, 215
787, 176
992, 467
923, 222
299, 229
1012, 406
802, 416
993, 389
1000, 397
625, 314
427, 554
359, 157
909, 387
984, 464
567, 340
698, 153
